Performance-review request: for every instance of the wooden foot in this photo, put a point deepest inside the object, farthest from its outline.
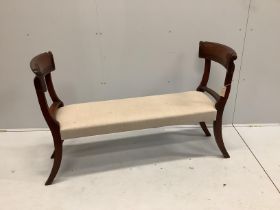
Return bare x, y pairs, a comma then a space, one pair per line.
205, 129
217, 126
56, 163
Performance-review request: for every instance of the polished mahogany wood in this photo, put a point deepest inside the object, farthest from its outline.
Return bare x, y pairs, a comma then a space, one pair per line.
204, 128
43, 65
217, 52
225, 56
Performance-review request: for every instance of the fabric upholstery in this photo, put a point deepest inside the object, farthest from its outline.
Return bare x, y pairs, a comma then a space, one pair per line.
102, 117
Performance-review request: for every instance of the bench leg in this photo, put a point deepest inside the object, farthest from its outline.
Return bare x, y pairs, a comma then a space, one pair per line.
52, 156
205, 129
57, 156
217, 126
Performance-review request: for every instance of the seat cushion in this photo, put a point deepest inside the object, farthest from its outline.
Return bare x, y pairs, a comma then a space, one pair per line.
102, 117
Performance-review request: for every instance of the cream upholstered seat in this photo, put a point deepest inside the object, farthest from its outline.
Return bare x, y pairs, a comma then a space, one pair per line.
102, 117
111, 116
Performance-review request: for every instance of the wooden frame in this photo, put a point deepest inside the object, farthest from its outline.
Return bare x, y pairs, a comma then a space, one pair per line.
43, 64
225, 56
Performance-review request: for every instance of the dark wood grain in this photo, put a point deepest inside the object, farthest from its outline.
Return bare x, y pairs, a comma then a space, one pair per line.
204, 128
225, 56
43, 65
217, 52
213, 93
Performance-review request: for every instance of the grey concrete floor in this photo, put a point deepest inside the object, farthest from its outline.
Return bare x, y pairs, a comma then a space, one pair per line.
167, 168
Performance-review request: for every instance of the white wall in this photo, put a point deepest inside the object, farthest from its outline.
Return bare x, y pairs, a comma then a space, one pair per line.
258, 95
126, 48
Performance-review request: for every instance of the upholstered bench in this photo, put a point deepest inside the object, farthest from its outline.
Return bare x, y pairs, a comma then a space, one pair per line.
103, 117
112, 116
